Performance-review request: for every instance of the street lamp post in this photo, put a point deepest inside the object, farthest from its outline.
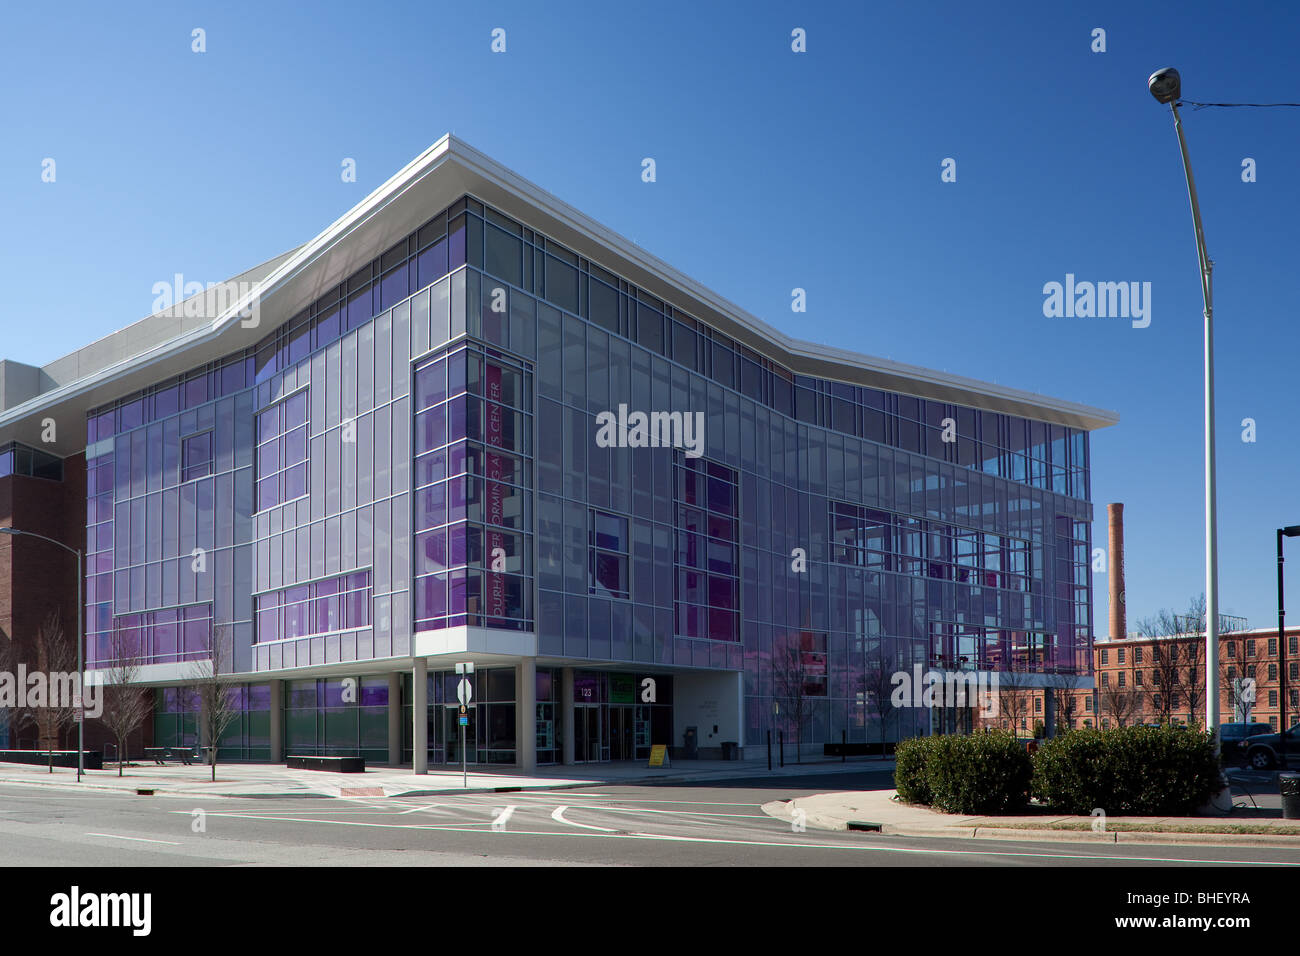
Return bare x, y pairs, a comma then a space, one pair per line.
1292, 531
1166, 86
81, 670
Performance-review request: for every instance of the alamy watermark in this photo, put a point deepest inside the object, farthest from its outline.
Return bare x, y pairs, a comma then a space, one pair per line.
195, 300
651, 430
935, 688
56, 689
1101, 300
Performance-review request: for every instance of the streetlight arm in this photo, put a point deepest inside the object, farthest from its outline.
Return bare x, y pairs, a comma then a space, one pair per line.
1202, 254
33, 534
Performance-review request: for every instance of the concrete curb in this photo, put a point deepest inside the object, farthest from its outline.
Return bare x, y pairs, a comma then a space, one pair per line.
780, 810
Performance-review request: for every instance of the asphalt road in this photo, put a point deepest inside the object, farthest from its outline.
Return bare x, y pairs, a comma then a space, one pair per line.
650, 825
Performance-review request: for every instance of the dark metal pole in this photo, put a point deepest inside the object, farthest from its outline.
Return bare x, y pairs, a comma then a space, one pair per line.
844, 746
1281, 654
769, 750
780, 736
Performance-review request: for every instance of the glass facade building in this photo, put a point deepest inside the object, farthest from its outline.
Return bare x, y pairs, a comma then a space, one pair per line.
411, 467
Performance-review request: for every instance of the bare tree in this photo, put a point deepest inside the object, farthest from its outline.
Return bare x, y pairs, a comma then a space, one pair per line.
1172, 680
1013, 698
791, 677
126, 702
54, 655
1064, 688
217, 693
878, 686
1122, 704
1235, 668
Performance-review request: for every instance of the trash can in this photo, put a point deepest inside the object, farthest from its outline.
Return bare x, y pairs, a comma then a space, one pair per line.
1288, 784
690, 741
728, 750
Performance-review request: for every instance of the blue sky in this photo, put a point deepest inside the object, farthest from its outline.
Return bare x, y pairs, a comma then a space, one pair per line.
776, 170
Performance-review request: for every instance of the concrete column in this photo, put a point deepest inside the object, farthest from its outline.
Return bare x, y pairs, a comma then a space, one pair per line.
526, 715
1049, 711
566, 712
395, 719
277, 721
420, 714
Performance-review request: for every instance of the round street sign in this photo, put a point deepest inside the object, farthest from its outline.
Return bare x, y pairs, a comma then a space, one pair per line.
464, 693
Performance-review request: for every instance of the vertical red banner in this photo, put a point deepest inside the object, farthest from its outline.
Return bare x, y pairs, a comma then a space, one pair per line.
494, 493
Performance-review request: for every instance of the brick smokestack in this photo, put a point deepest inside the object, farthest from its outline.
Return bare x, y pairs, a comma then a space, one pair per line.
1118, 621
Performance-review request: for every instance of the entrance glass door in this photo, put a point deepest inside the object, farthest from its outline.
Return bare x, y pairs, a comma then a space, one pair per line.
588, 741
621, 734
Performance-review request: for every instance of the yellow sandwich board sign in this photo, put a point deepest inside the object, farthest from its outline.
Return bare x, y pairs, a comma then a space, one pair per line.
659, 756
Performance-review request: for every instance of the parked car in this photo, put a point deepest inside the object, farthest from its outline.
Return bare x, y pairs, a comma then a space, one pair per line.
1232, 735
1263, 750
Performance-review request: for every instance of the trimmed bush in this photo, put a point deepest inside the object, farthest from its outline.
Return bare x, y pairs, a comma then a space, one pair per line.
909, 769
1148, 771
988, 772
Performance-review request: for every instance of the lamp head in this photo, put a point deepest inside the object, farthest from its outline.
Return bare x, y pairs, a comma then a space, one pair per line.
1165, 85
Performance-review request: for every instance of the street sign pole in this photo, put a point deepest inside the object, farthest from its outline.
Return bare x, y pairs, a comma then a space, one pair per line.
464, 693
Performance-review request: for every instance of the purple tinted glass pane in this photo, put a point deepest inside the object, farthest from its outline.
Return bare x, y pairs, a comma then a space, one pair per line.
457, 592
232, 377
431, 467
258, 697
327, 327
431, 506
431, 429
457, 425
196, 636
295, 410
457, 544
295, 445
196, 391
356, 609
456, 458
358, 579
431, 551
374, 695
458, 494
268, 625
433, 263
430, 385
267, 493
720, 496
393, 288
360, 309
301, 618
456, 252
431, 597
130, 415
722, 625
328, 614
722, 592
295, 482
609, 573
167, 402
268, 424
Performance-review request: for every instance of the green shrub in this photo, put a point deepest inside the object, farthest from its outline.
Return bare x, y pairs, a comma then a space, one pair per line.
909, 769
988, 772
1135, 770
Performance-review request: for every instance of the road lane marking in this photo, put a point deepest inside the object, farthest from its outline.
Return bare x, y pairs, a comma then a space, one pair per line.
558, 817
116, 836
500, 822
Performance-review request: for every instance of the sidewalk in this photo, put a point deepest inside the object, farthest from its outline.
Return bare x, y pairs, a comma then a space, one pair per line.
834, 811
267, 780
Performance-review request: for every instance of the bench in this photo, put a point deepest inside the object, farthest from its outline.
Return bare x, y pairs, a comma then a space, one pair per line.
185, 755
335, 764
